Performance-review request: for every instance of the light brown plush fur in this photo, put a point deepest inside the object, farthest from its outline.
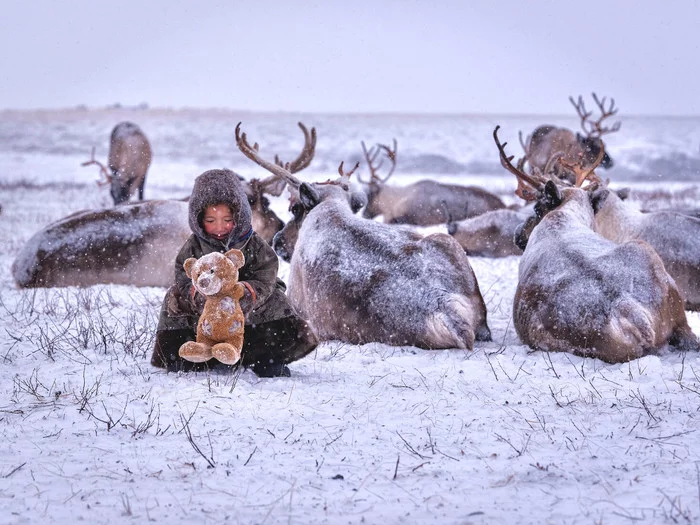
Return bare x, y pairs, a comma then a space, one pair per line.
221, 325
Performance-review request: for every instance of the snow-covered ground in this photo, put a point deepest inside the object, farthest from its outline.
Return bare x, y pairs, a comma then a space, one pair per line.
368, 434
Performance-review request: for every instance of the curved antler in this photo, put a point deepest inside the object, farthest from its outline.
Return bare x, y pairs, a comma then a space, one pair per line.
371, 158
529, 186
103, 169
307, 152
252, 153
595, 129
588, 173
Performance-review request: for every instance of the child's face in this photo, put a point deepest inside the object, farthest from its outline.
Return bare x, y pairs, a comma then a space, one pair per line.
218, 221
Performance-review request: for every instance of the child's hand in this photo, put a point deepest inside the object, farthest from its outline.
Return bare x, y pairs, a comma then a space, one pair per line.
247, 302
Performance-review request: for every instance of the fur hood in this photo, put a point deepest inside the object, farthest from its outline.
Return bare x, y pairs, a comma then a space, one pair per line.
220, 186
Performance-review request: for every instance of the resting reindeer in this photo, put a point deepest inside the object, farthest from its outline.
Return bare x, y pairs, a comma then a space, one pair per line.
362, 281
134, 244
581, 293
265, 222
422, 203
546, 141
674, 236
489, 234
129, 160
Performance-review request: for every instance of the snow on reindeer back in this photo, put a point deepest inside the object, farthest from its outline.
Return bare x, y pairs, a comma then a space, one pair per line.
131, 244
408, 276
587, 272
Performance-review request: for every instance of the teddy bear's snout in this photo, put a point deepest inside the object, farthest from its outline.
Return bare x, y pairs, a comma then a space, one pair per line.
209, 284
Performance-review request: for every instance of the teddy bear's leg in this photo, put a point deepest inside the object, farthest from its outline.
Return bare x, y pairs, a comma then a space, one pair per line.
226, 353
195, 352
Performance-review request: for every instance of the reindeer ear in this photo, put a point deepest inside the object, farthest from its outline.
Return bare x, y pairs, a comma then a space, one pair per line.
552, 196
187, 265
308, 196
598, 198
236, 257
358, 200
623, 193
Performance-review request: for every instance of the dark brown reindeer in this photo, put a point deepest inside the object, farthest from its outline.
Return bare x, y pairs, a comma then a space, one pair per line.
422, 203
362, 281
546, 142
265, 221
581, 293
129, 160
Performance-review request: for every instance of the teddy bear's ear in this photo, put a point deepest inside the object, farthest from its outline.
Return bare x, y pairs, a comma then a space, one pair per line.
236, 257
188, 264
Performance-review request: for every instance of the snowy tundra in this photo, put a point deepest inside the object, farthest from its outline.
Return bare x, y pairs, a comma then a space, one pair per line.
359, 433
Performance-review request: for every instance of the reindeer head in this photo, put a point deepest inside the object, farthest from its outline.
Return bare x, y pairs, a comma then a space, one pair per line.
592, 142
129, 160
306, 196
547, 193
375, 183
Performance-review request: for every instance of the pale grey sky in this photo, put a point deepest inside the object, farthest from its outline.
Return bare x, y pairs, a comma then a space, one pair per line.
507, 56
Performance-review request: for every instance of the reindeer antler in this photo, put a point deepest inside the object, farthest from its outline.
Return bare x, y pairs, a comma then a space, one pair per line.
103, 169
306, 155
595, 129
371, 158
587, 173
529, 186
252, 153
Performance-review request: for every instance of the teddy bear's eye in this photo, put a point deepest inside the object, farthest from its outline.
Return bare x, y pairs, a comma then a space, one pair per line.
211, 270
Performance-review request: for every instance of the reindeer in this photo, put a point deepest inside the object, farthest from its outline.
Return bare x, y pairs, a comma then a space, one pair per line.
422, 203
134, 244
362, 281
674, 236
546, 142
129, 160
581, 293
265, 222
489, 234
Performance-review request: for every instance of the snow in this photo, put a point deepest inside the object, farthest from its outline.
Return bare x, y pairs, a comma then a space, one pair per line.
357, 434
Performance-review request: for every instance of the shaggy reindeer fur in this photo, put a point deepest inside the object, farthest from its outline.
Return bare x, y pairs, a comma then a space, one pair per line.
427, 202
361, 281
674, 236
134, 244
129, 160
581, 293
489, 234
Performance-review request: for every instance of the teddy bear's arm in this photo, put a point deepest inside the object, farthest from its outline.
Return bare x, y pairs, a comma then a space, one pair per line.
238, 291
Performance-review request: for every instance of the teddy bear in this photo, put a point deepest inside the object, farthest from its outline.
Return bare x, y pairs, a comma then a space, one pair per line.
221, 325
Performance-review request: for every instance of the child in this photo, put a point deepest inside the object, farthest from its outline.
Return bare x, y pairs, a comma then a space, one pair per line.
220, 219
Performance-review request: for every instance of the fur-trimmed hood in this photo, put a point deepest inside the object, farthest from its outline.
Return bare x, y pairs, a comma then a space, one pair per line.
215, 187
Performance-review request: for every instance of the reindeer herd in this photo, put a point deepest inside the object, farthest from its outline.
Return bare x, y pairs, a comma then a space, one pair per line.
597, 277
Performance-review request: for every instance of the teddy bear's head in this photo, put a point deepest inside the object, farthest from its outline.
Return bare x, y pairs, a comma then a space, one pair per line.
215, 273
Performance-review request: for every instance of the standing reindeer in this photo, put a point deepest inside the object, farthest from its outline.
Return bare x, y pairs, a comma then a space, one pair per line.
362, 281
548, 142
129, 160
422, 203
581, 293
